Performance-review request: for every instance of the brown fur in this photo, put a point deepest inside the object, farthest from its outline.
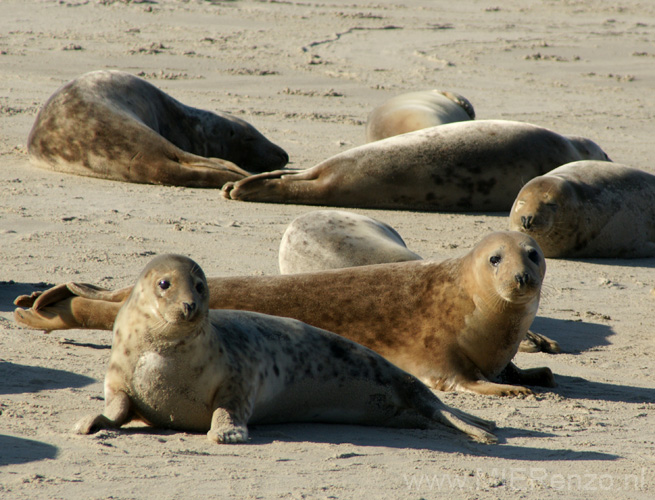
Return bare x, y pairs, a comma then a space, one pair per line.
114, 125
477, 165
416, 110
589, 209
455, 324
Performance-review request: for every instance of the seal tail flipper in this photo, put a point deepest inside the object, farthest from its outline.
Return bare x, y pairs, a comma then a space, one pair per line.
423, 400
71, 305
278, 186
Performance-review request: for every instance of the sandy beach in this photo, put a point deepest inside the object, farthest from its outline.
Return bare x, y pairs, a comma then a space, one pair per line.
306, 74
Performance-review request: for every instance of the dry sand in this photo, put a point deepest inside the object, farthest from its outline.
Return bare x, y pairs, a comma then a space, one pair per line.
306, 74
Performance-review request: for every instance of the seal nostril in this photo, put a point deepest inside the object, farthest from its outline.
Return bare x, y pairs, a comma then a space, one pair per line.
526, 221
522, 279
189, 308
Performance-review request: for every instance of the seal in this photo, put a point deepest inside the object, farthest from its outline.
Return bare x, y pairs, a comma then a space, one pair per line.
334, 239
114, 125
456, 324
176, 364
589, 209
477, 165
416, 110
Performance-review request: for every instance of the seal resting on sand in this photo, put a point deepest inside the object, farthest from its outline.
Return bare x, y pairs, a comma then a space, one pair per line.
477, 165
456, 325
589, 209
114, 125
416, 110
176, 364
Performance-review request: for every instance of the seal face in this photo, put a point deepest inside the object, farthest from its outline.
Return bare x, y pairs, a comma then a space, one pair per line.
417, 110
477, 165
334, 239
175, 364
589, 209
114, 125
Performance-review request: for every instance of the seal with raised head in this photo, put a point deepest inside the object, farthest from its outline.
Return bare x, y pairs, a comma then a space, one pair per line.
114, 125
334, 239
176, 364
416, 110
477, 165
589, 209
456, 324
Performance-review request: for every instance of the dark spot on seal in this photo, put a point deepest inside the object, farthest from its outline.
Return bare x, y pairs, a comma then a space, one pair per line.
276, 370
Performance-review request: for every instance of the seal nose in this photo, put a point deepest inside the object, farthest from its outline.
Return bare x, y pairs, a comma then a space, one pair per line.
189, 309
522, 279
526, 221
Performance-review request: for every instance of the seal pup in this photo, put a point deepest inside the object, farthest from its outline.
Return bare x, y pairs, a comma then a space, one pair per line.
114, 125
416, 110
334, 239
589, 209
456, 324
477, 165
176, 364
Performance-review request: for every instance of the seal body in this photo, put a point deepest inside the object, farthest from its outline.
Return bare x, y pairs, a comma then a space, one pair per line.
477, 165
175, 364
416, 110
456, 325
589, 209
333, 239
114, 125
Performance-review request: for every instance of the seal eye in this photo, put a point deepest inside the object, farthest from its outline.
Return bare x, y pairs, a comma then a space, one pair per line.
164, 284
200, 288
533, 255
495, 260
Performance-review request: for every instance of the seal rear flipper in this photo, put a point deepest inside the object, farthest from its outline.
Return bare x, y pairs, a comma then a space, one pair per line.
276, 186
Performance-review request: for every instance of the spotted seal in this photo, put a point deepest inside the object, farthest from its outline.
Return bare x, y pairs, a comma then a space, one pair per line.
176, 364
589, 209
477, 165
456, 324
114, 125
416, 110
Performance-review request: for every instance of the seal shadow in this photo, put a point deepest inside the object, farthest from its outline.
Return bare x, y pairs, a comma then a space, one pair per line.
573, 337
374, 438
580, 388
17, 450
17, 379
9, 290
433, 440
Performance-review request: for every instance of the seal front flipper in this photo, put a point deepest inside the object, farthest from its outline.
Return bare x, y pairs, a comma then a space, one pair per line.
117, 412
542, 377
226, 429
536, 342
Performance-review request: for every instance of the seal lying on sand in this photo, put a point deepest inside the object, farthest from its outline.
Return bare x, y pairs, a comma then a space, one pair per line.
114, 125
456, 325
589, 209
334, 239
176, 364
416, 110
477, 165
